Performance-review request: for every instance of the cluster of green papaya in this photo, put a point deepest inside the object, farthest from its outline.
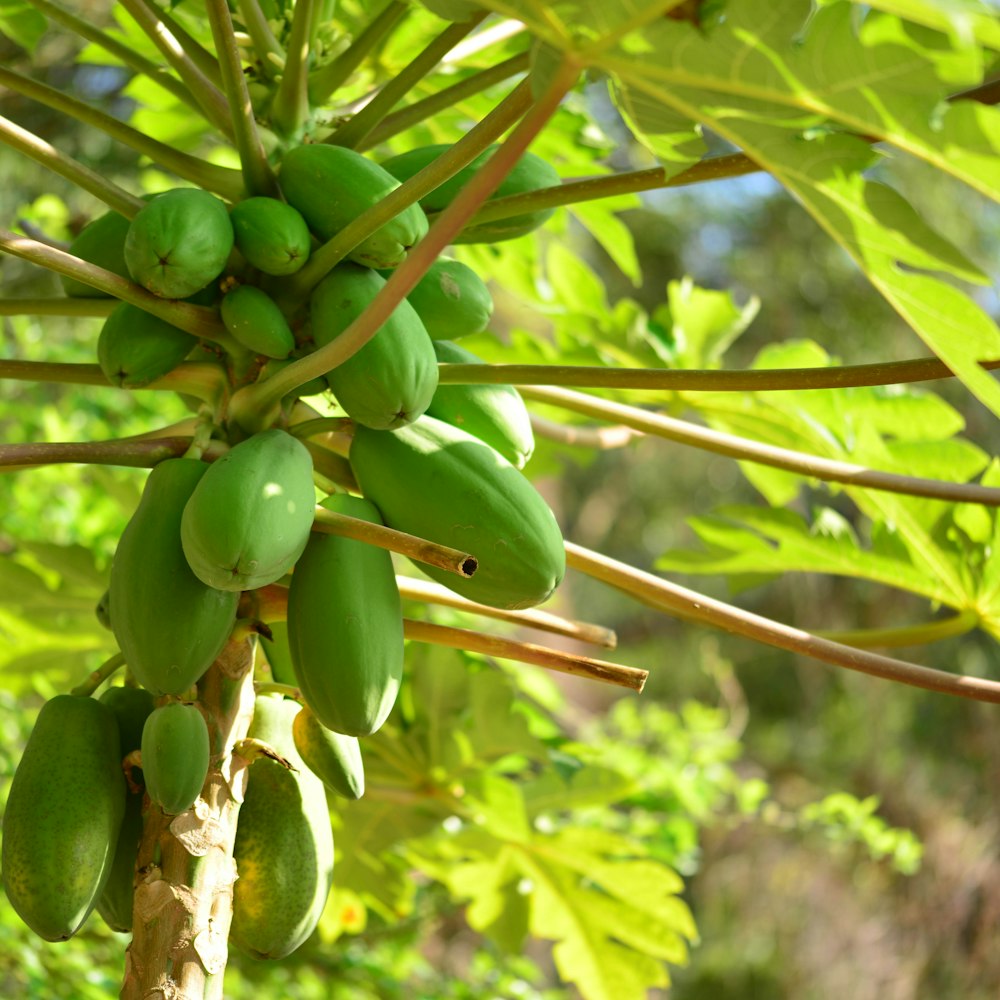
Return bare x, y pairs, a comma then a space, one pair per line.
438, 461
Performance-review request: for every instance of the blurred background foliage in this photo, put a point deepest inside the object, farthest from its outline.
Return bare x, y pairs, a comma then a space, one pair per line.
836, 835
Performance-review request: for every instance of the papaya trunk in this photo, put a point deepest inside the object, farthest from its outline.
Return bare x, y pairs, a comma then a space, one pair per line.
184, 887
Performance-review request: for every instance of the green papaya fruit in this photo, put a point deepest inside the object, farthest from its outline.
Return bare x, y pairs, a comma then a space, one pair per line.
279, 656
169, 625
100, 242
284, 844
331, 186
495, 414
345, 626
63, 817
179, 242
249, 517
255, 320
391, 380
132, 706
439, 482
271, 235
530, 173
135, 347
333, 757
103, 610
451, 300
175, 756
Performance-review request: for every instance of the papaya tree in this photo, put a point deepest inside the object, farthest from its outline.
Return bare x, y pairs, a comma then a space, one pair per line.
317, 201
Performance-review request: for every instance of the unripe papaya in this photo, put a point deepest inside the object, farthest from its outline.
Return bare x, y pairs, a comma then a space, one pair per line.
249, 517
495, 414
271, 235
175, 755
135, 347
64, 814
279, 656
451, 300
103, 610
391, 380
169, 624
100, 242
530, 173
439, 482
132, 707
179, 242
331, 186
255, 320
345, 626
334, 758
284, 844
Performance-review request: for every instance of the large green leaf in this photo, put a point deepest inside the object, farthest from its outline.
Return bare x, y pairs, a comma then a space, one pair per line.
21, 23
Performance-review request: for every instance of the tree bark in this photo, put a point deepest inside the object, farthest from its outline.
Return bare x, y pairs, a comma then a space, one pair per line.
185, 871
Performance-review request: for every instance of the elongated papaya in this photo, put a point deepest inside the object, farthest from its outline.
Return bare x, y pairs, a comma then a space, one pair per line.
271, 235
135, 347
64, 813
100, 242
451, 300
530, 173
391, 380
284, 844
169, 624
132, 706
179, 242
331, 186
334, 758
345, 626
279, 656
255, 320
175, 754
249, 517
495, 414
441, 483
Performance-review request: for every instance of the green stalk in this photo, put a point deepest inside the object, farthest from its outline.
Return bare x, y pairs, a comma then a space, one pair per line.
97, 677
907, 635
132, 453
325, 81
57, 307
269, 51
221, 180
211, 100
139, 64
691, 606
449, 224
702, 379
58, 162
290, 107
257, 173
198, 320
745, 450
353, 132
426, 108
192, 48
298, 286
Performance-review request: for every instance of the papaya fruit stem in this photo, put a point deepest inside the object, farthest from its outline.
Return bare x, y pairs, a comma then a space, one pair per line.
524, 652
410, 588
269, 52
747, 450
128, 56
251, 749
97, 677
197, 320
290, 106
701, 379
269, 687
421, 549
258, 177
691, 606
324, 81
418, 111
332, 465
321, 425
353, 132
210, 99
58, 162
222, 180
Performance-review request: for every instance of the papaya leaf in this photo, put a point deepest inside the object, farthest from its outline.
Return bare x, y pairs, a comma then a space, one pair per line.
966, 22
589, 785
22, 23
